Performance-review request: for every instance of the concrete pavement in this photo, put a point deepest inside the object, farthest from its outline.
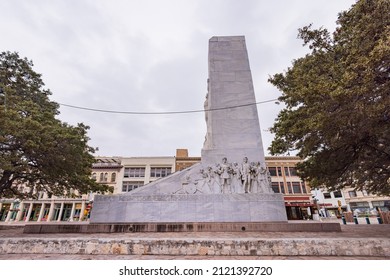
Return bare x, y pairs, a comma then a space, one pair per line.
200, 245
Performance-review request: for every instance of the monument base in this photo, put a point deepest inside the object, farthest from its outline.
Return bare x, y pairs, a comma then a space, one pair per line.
183, 208
182, 227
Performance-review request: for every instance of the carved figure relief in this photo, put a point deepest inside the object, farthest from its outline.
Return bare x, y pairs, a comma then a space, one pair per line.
236, 184
246, 175
224, 172
227, 178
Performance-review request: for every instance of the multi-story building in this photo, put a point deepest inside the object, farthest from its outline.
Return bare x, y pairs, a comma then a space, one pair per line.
105, 170
297, 196
361, 202
139, 171
124, 174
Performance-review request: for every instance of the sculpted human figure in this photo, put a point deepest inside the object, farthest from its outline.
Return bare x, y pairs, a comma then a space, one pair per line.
246, 175
188, 186
204, 182
213, 183
255, 177
269, 182
224, 171
264, 178
236, 184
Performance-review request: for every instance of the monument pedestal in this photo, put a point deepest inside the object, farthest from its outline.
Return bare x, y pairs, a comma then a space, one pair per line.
254, 207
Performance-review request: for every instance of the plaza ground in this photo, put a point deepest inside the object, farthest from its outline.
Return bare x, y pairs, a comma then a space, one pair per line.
361, 234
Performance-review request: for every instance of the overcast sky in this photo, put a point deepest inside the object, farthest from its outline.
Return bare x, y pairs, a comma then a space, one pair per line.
151, 56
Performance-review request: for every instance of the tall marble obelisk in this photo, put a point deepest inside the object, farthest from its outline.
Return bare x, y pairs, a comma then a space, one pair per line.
233, 129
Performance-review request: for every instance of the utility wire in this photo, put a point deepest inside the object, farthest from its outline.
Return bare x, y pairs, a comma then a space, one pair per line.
163, 113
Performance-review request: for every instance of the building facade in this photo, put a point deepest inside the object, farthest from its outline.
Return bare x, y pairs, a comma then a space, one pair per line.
297, 196
124, 174
139, 171
363, 203
329, 203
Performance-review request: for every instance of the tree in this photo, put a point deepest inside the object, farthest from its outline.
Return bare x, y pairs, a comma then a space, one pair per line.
337, 97
37, 150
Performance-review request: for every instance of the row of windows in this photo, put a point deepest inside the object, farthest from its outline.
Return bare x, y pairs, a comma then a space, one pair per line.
159, 172
288, 171
292, 187
139, 172
354, 194
129, 186
103, 177
134, 172
336, 194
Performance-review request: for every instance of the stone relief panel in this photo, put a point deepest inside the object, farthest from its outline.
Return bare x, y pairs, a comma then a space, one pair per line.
228, 178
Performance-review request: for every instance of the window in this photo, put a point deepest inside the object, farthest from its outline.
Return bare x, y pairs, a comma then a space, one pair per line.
289, 187
304, 190
134, 172
275, 187
282, 187
105, 178
129, 186
337, 194
352, 194
280, 171
327, 195
101, 177
113, 177
290, 171
272, 171
362, 204
296, 187
378, 204
94, 176
158, 172
293, 171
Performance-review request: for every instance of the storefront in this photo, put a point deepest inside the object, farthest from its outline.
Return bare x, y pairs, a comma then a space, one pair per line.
298, 207
328, 210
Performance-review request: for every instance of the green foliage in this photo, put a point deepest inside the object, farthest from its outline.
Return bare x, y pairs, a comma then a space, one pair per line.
36, 149
337, 98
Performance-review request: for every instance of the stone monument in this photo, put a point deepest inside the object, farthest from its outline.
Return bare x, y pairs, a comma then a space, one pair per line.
231, 184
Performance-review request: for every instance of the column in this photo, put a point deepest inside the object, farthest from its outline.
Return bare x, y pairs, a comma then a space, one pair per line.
9, 212
72, 212
61, 210
50, 211
29, 211
20, 212
41, 212
82, 210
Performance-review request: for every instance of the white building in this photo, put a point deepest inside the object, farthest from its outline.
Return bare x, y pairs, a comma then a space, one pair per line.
361, 202
122, 173
329, 204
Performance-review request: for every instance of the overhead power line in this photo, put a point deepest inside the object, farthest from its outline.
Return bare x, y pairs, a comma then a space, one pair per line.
163, 113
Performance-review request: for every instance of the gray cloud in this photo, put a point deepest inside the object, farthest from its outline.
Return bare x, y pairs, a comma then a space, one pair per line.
152, 56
